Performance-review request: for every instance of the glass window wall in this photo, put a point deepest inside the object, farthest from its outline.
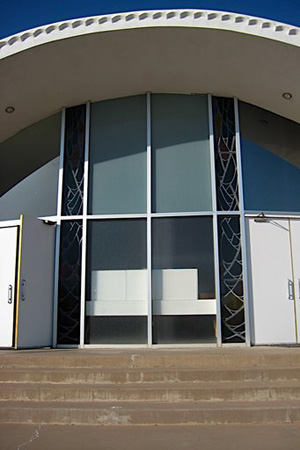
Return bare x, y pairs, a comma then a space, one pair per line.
179, 245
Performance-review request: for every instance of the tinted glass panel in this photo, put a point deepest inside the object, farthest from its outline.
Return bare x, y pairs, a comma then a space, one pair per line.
180, 148
270, 160
184, 329
118, 162
116, 306
183, 289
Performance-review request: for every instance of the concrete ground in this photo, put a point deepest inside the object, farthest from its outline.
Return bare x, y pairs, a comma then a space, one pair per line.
183, 437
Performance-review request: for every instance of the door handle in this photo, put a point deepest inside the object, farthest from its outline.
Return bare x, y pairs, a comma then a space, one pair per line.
10, 291
299, 286
290, 290
23, 290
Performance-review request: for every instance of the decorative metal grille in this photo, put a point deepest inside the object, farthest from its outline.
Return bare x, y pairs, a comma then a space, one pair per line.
72, 201
230, 252
225, 154
68, 320
231, 279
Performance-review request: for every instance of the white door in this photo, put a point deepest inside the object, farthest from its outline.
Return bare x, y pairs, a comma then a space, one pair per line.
35, 284
295, 245
273, 307
8, 258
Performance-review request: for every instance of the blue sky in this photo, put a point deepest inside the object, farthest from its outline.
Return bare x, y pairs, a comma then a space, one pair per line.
19, 15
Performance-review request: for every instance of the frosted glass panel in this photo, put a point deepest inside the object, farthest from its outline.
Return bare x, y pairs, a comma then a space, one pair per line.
270, 159
180, 147
116, 306
118, 162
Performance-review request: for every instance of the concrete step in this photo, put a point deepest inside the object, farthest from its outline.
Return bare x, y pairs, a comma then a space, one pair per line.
158, 375
146, 386
163, 392
143, 413
148, 358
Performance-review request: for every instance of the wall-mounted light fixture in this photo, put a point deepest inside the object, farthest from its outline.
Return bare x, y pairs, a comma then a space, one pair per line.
261, 218
49, 222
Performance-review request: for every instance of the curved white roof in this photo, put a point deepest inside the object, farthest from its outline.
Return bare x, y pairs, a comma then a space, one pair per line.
180, 51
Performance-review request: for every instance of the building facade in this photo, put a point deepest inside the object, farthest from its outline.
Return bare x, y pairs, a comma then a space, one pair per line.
154, 160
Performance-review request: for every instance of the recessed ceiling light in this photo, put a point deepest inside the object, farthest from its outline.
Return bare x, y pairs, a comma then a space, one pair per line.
10, 109
287, 95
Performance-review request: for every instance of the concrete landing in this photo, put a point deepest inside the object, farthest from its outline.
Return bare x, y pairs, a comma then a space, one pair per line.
220, 437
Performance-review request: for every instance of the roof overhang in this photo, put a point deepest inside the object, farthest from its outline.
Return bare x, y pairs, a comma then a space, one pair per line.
190, 51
